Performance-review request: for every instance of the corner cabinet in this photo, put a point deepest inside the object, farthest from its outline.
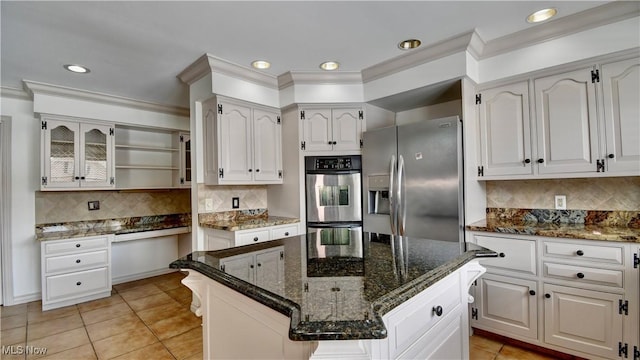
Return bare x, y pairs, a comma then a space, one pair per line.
578, 297
331, 129
580, 123
243, 143
76, 154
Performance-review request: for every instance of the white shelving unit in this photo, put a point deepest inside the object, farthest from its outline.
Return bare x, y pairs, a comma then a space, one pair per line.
147, 158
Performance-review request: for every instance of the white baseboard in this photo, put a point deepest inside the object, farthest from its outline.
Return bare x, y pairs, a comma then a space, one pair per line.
144, 275
23, 299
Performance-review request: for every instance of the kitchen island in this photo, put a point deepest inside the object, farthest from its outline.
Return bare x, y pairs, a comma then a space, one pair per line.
300, 298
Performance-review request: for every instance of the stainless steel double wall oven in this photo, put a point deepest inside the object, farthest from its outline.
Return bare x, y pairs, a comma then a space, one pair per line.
334, 206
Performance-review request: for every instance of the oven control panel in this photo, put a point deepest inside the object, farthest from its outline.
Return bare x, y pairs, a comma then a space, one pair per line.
333, 163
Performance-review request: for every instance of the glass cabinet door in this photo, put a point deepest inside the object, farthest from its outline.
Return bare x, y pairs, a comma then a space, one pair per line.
185, 168
96, 156
61, 148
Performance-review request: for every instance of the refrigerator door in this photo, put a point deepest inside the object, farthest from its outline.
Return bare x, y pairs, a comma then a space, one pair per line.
378, 162
432, 182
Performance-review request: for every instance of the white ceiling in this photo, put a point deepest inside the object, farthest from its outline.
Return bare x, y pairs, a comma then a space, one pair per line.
136, 49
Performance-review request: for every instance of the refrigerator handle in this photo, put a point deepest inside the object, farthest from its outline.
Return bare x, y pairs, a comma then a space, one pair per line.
402, 208
392, 195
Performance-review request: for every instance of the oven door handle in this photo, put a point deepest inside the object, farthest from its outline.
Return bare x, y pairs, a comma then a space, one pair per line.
392, 195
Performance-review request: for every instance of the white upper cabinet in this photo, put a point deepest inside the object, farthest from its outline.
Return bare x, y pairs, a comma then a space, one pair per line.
505, 130
331, 129
567, 123
243, 143
584, 123
621, 91
76, 154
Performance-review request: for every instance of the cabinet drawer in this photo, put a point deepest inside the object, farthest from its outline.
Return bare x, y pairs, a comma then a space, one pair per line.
284, 231
74, 246
76, 262
515, 254
252, 237
77, 284
411, 320
604, 254
584, 274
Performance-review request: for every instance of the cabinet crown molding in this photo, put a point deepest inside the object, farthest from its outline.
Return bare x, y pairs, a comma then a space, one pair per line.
291, 78
33, 88
208, 64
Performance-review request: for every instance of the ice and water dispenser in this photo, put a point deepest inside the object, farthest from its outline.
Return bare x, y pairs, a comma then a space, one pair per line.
378, 194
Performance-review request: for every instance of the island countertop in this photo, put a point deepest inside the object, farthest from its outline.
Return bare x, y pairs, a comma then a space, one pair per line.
390, 271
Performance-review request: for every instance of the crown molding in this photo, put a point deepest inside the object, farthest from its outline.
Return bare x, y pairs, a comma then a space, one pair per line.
428, 53
602, 15
318, 77
33, 87
15, 93
208, 63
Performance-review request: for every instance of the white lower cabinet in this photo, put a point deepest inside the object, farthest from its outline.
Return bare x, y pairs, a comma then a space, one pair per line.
507, 304
582, 320
75, 270
264, 268
584, 300
221, 239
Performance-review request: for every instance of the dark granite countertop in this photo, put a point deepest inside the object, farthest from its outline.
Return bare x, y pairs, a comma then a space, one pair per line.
574, 224
57, 231
374, 282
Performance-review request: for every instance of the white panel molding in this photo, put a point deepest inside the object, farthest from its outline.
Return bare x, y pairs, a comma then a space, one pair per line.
5, 213
606, 14
33, 88
208, 63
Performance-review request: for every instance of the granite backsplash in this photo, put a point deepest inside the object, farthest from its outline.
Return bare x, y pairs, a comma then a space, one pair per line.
629, 219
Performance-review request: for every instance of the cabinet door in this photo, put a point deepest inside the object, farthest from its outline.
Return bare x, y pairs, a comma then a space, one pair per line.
61, 154
507, 305
566, 120
96, 156
316, 129
582, 320
505, 131
270, 270
346, 128
235, 154
241, 267
267, 137
621, 90
185, 159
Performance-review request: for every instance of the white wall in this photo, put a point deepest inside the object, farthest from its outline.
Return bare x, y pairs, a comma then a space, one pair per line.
446, 109
25, 160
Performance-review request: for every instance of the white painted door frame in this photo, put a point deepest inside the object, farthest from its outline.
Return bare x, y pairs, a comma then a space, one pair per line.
6, 283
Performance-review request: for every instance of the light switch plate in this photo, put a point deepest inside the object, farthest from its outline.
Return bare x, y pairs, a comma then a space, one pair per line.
235, 202
208, 204
561, 202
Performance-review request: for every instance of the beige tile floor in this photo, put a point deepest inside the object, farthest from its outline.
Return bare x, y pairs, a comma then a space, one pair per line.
146, 319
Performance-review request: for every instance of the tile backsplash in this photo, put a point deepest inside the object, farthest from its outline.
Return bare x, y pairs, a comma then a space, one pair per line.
69, 206
251, 197
615, 193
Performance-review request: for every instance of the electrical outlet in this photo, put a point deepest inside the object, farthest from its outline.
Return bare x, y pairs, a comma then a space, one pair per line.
93, 205
208, 204
561, 202
235, 202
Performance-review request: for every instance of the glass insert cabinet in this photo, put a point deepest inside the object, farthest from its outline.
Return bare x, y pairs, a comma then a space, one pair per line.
76, 154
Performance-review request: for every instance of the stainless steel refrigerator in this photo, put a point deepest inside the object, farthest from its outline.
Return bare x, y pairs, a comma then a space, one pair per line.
413, 180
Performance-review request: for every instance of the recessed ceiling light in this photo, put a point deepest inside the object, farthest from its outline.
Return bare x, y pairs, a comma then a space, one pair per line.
77, 68
261, 64
541, 15
409, 44
329, 65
